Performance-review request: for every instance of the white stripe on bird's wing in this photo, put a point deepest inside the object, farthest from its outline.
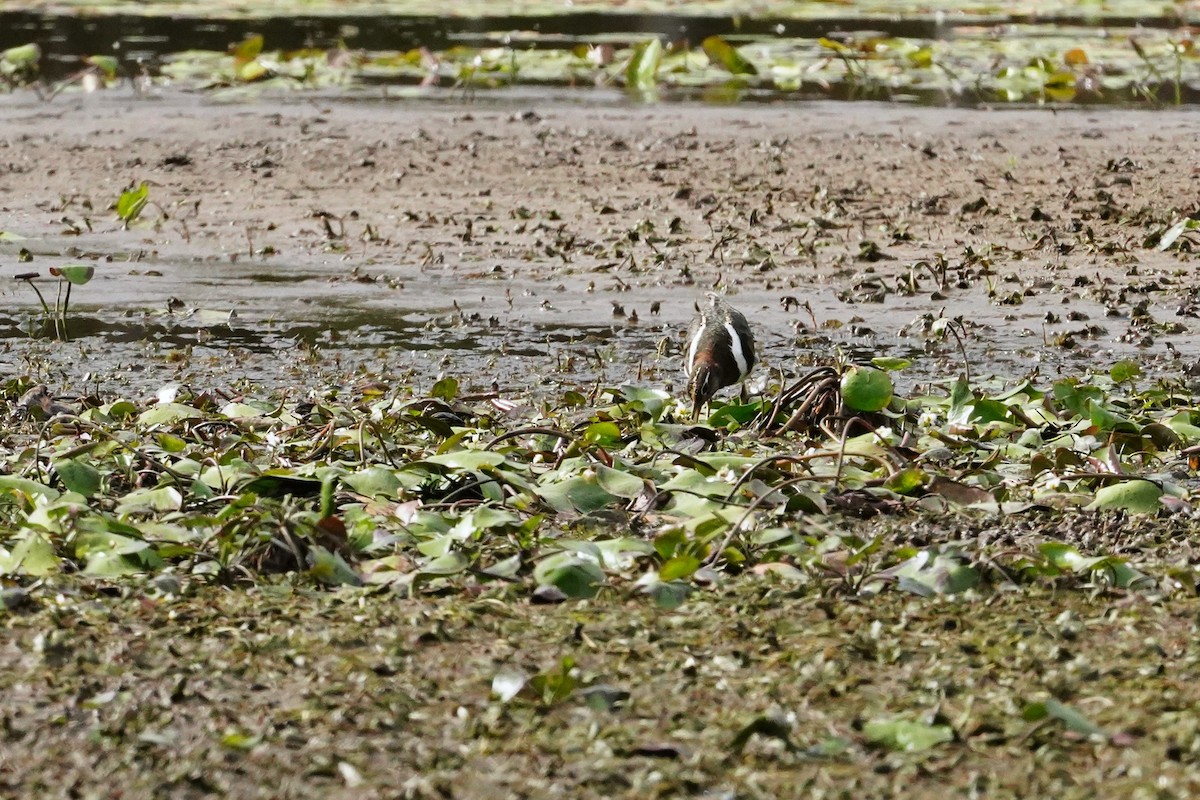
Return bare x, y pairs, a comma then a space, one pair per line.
690, 366
739, 355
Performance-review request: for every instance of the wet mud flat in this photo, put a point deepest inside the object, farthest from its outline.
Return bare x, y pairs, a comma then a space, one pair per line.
502, 241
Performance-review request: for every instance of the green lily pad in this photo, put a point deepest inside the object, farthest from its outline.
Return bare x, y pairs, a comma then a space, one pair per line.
906, 736
1137, 496
866, 388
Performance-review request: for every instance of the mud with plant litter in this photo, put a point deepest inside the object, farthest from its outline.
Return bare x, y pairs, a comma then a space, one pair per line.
357, 473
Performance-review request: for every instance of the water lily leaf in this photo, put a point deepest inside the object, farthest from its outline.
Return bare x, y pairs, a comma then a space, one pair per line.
1076, 397
574, 576
669, 595
244, 410
445, 389
605, 434
739, 413
168, 413
507, 568
1137, 496
681, 566
330, 568
467, 459
556, 685
1118, 572
375, 482
641, 398
1107, 420
33, 555
110, 555
77, 274
721, 52
618, 483
78, 476
933, 571
905, 735
581, 494
25, 489
451, 563
170, 443
157, 499
866, 388
1124, 371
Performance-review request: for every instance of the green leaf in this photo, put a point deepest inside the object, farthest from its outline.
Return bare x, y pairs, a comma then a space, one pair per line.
606, 434
375, 482
451, 563
132, 201
866, 388
721, 52
643, 64
445, 389
906, 481
106, 64
249, 48
933, 571
77, 274
580, 493
330, 568
890, 363
78, 476
1069, 717
1075, 397
1177, 230
467, 459
555, 686
906, 736
617, 483
1107, 420
167, 414
681, 566
574, 576
33, 555
1124, 371
740, 413
1137, 496
25, 489
670, 595
25, 55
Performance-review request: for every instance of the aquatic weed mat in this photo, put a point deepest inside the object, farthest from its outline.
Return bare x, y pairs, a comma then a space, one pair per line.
753, 689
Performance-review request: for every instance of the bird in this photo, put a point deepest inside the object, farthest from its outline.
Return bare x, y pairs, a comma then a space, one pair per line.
720, 351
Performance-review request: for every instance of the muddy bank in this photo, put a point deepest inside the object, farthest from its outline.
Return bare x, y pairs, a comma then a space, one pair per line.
568, 242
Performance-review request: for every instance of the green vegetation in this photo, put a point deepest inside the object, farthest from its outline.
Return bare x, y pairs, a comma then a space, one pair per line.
442, 493
967, 65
